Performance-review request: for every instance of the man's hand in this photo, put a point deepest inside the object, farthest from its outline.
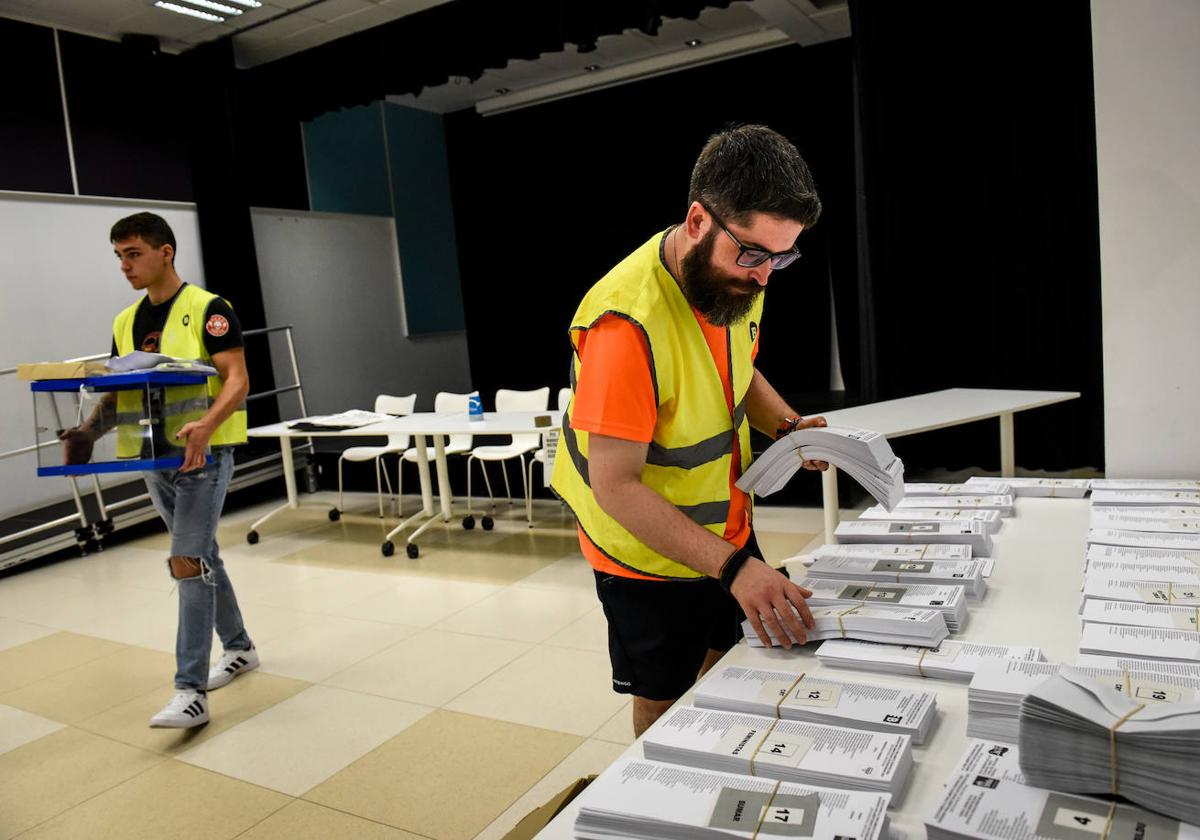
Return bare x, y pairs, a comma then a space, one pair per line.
77, 446
765, 595
197, 434
813, 423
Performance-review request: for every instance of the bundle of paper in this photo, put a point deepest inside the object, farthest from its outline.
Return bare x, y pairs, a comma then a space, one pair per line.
995, 694
799, 696
889, 625
990, 519
1130, 498
644, 799
1129, 554
965, 573
790, 750
997, 502
1128, 663
1146, 484
1176, 572
997, 486
1141, 591
951, 660
1175, 520
992, 800
1147, 642
352, 419
864, 455
1134, 614
1084, 737
1144, 539
972, 534
949, 600
1050, 488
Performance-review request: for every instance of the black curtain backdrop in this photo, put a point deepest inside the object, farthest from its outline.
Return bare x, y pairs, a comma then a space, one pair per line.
33, 137
549, 198
978, 223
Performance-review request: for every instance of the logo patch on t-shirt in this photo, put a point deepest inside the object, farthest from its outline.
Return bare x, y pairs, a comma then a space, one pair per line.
753, 331
217, 326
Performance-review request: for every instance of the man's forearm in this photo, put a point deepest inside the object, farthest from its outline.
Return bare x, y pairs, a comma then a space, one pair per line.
102, 418
233, 394
764, 407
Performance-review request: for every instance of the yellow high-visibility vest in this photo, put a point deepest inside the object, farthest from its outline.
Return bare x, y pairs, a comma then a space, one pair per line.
690, 454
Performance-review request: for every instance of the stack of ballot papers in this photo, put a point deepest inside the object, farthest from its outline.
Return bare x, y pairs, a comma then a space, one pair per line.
800, 696
1128, 663
887, 551
951, 660
1177, 520
949, 600
791, 750
1130, 554
352, 419
1134, 614
1148, 642
1180, 572
965, 573
990, 519
960, 532
999, 486
1140, 591
1001, 503
139, 360
1135, 498
644, 799
995, 694
1144, 539
1061, 488
872, 623
989, 798
1146, 484
1084, 737
864, 454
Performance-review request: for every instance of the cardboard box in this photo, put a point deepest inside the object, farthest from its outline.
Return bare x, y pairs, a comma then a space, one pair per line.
540, 817
59, 370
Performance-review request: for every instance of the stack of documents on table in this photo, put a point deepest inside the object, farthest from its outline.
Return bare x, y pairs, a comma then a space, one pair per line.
1144, 539
1177, 520
1146, 484
951, 660
139, 360
989, 798
998, 487
1134, 498
1148, 642
864, 454
1178, 572
1148, 591
791, 750
1130, 554
1001, 503
353, 419
950, 599
889, 625
1134, 614
1081, 736
1128, 663
965, 573
990, 519
886, 551
995, 694
799, 696
1050, 488
644, 799
972, 534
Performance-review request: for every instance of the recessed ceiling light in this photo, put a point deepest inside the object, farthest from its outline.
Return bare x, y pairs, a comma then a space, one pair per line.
693, 42
503, 91
249, 4
216, 7
184, 10
592, 68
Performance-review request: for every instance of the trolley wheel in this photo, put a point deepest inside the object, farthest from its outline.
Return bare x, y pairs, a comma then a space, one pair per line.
252, 537
388, 549
412, 551
334, 514
487, 523
468, 523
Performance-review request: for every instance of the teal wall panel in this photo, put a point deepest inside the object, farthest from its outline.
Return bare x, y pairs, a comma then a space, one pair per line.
347, 162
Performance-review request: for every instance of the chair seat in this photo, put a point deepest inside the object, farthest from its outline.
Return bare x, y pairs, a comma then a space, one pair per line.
369, 453
411, 455
500, 453
540, 455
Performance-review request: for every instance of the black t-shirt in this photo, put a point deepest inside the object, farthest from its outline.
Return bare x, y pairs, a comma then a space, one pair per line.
221, 328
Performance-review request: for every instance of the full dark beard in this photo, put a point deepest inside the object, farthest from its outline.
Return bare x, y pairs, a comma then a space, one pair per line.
721, 299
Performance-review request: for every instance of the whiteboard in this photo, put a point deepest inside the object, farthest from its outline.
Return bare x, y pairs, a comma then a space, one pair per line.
61, 287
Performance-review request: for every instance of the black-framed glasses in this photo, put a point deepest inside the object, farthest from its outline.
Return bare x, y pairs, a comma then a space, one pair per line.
749, 257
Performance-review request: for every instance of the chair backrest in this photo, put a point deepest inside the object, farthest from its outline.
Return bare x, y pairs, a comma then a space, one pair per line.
447, 402
387, 404
564, 398
536, 400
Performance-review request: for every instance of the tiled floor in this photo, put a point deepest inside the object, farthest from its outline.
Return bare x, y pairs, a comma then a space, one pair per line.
443, 697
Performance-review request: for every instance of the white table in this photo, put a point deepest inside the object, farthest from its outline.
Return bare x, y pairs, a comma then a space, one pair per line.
1033, 599
420, 426
936, 410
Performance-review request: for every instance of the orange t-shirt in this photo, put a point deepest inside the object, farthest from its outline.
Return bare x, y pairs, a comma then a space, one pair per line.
614, 396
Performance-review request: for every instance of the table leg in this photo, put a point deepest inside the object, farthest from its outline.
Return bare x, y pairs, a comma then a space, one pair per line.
443, 474
1008, 452
829, 496
289, 481
423, 471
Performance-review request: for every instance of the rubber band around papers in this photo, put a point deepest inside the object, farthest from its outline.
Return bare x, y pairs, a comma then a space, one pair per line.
766, 808
765, 736
1112, 811
1112, 742
921, 659
1127, 684
785, 694
841, 626
922, 556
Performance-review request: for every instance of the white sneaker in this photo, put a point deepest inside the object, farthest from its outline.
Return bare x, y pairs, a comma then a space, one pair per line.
186, 709
231, 664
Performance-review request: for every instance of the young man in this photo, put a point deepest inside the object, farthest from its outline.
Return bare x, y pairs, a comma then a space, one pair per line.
184, 321
658, 429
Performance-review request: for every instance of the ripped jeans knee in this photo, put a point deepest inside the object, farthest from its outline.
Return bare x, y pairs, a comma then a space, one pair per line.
183, 568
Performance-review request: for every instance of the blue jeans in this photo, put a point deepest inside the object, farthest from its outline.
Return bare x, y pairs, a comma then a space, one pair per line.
190, 503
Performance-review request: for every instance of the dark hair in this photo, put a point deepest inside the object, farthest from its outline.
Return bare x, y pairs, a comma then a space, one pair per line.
150, 227
748, 169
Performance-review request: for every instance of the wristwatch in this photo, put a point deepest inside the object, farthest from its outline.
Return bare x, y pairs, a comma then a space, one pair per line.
787, 425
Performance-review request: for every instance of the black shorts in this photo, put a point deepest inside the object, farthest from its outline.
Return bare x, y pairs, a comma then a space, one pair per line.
660, 631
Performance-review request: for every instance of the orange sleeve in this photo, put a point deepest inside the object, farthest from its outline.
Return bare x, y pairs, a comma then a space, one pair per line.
614, 392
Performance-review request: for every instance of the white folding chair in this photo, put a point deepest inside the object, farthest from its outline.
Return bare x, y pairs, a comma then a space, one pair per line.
539, 457
396, 445
444, 403
506, 400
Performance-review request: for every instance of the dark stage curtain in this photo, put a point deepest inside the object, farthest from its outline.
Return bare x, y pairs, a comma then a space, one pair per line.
978, 222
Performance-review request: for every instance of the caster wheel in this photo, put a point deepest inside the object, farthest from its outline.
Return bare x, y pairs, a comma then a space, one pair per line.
335, 515
388, 549
468, 523
252, 537
487, 523
412, 551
